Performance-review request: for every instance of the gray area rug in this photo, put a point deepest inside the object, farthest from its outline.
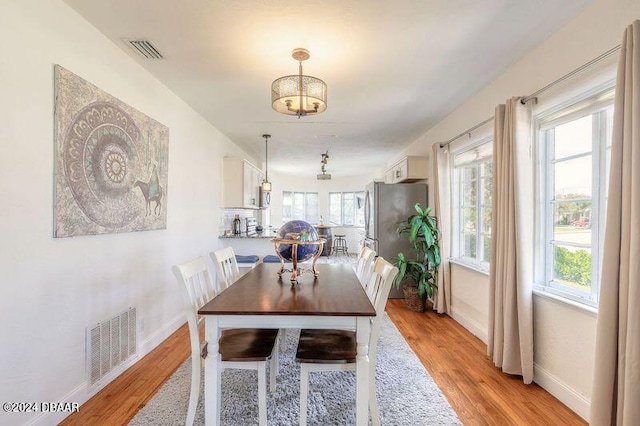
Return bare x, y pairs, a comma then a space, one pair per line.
407, 395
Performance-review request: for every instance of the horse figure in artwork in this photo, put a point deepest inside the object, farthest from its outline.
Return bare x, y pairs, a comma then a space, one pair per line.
152, 191
144, 187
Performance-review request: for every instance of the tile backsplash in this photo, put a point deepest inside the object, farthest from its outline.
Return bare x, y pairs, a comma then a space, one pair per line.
225, 218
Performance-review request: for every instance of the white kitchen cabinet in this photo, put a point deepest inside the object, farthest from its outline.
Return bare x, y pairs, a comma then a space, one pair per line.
241, 184
388, 176
409, 169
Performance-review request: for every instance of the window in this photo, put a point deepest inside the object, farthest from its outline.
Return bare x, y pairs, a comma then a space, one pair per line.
473, 178
300, 206
575, 145
346, 208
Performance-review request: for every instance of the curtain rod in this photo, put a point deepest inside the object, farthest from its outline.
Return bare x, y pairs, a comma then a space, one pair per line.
525, 99
572, 73
471, 129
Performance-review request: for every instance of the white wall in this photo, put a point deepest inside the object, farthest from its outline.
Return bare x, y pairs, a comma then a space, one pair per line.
565, 336
470, 299
52, 289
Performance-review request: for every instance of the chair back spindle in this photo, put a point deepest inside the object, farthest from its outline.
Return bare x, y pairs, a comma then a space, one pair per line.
382, 277
227, 270
365, 264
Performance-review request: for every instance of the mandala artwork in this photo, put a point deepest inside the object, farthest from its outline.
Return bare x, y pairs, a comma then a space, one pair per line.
111, 162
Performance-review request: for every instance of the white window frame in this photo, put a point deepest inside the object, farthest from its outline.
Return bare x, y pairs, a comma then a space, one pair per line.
476, 263
305, 207
342, 209
594, 102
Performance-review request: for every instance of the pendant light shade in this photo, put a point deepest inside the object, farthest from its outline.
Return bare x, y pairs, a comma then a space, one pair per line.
300, 94
266, 184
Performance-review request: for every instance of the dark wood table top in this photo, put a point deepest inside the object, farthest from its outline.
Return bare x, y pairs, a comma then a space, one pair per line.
335, 292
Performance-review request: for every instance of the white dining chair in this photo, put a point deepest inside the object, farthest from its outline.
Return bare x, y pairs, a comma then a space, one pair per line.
247, 349
335, 350
365, 264
227, 270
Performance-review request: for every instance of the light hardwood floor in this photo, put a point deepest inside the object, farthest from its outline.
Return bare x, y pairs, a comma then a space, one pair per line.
478, 392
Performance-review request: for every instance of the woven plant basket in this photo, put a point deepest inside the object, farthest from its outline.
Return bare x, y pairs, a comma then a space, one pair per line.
412, 300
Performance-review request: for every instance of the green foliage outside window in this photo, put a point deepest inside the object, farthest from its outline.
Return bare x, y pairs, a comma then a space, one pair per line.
573, 266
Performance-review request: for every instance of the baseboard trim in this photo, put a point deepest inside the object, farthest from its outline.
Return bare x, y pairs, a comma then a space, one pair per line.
83, 392
568, 396
161, 335
473, 327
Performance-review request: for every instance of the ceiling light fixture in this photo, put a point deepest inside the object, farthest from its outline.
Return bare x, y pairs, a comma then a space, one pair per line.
323, 162
325, 158
300, 94
266, 185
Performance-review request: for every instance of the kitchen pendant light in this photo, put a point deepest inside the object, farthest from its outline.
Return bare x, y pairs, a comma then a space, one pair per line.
323, 163
300, 94
266, 185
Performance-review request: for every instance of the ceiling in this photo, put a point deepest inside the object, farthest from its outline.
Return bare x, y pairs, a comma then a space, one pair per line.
393, 68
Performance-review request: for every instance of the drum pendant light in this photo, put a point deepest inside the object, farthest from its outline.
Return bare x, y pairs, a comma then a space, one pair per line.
300, 94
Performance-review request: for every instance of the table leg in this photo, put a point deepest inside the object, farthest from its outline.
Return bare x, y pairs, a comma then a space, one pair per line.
212, 372
363, 331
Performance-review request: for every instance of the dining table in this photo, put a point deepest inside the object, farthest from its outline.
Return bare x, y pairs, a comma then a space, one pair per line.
334, 299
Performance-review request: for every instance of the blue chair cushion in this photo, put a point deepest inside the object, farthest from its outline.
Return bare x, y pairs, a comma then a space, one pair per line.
247, 259
271, 258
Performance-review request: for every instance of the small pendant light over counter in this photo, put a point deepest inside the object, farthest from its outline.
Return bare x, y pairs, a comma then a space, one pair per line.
266, 184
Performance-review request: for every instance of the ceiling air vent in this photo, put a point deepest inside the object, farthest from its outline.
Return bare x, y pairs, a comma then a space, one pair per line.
144, 48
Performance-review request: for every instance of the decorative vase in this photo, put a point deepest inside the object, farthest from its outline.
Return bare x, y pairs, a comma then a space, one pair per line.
412, 299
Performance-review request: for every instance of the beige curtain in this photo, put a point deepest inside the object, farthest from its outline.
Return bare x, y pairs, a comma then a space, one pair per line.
615, 399
442, 210
510, 340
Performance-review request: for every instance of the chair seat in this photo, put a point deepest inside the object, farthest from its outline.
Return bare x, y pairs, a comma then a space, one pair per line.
247, 344
326, 347
271, 258
247, 259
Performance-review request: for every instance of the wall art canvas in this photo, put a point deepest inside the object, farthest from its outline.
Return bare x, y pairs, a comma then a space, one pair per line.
111, 163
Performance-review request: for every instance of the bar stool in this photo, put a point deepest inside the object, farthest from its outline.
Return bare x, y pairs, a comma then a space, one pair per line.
340, 244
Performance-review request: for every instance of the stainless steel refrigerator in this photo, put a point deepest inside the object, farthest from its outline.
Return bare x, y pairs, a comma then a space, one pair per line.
384, 206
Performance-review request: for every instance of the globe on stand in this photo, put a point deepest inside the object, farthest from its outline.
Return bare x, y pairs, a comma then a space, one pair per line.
298, 241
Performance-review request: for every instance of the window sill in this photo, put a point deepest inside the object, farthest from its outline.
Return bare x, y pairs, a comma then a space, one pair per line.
472, 266
543, 293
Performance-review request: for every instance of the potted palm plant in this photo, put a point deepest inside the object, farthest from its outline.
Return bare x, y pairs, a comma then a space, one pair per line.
418, 271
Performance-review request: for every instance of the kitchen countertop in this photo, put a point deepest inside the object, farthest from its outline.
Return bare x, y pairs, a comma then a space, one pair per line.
261, 235
274, 233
